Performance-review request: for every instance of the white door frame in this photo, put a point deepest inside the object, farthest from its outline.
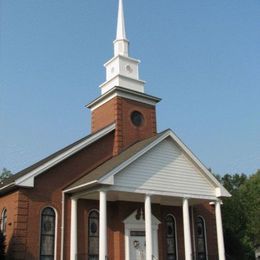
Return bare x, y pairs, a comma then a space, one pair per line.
133, 224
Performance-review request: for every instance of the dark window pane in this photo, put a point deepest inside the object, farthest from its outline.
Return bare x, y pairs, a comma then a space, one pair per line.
4, 221
201, 239
170, 238
93, 235
47, 234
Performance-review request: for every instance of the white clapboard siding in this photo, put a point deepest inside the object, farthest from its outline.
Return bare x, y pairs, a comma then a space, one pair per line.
165, 168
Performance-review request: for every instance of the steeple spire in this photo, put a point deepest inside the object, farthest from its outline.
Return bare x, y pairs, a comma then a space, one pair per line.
121, 43
120, 34
122, 70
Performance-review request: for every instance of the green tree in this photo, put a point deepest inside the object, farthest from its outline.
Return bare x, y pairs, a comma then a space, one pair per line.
4, 174
241, 214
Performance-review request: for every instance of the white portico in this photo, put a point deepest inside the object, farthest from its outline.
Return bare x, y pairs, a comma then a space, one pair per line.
161, 171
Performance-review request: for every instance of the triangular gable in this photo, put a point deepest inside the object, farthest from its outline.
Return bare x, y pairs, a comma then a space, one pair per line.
165, 168
166, 165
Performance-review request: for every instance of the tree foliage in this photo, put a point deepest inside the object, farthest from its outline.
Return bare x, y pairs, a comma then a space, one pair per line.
241, 214
4, 174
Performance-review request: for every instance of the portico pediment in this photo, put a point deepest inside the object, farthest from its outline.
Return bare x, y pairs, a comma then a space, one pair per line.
137, 218
167, 168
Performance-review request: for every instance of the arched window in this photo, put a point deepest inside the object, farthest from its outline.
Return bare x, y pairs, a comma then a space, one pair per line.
171, 238
93, 235
4, 221
48, 226
201, 239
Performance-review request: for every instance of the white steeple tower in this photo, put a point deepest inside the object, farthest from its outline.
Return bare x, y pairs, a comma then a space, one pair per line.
121, 43
122, 70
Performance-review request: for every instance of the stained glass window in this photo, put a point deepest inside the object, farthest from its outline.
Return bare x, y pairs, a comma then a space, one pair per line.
93, 235
47, 234
201, 239
4, 221
171, 238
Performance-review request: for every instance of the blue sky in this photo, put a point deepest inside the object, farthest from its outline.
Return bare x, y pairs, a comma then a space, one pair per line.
201, 57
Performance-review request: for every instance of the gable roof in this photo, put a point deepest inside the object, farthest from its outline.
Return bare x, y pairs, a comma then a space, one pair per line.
101, 171
104, 174
25, 178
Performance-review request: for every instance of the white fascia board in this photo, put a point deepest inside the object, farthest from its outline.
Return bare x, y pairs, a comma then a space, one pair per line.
8, 185
81, 186
124, 77
134, 157
160, 193
204, 169
28, 179
124, 95
169, 133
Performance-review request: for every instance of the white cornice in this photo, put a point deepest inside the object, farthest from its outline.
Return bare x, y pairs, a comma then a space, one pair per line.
122, 57
125, 93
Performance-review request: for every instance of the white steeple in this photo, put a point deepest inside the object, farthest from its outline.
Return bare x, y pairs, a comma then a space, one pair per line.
122, 70
121, 43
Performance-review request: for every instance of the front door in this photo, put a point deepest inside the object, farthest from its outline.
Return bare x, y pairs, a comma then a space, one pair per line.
135, 248
137, 245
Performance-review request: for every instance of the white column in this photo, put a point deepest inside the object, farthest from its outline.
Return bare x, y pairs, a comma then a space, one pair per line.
102, 225
186, 228
73, 230
148, 228
221, 246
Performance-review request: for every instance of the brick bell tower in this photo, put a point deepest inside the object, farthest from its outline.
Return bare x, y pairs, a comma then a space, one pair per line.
122, 99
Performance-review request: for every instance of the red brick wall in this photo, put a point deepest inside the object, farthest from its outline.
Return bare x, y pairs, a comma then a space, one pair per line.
118, 110
10, 203
24, 207
207, 212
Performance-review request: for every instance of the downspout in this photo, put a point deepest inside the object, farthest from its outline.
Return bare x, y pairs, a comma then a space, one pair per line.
62, 225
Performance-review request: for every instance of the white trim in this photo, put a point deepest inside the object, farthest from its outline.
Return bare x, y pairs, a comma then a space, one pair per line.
81, 186
169, 133
120, 93
186, 229
62, 225
162, 193
219, 228
124, 77
176, 235
6, 186
140, 227
102, 225
56, 229
28, 179
73, 228
123, 57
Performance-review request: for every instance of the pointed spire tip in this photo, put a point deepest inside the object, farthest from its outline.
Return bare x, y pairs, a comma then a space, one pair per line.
121, 33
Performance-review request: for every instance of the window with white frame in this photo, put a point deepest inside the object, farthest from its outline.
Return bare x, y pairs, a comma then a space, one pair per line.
48, 231
93, 235
171, 238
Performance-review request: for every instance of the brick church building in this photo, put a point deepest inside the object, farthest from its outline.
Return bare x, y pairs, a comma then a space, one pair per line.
124, 192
